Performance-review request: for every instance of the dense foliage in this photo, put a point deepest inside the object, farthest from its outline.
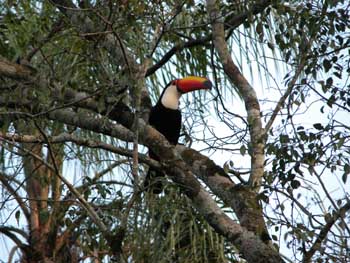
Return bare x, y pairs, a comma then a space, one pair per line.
77, 79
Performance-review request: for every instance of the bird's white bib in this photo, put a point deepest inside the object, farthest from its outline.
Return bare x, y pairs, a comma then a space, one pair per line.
171, 98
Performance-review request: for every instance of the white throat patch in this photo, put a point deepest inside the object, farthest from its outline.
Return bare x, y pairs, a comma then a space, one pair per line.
171, 98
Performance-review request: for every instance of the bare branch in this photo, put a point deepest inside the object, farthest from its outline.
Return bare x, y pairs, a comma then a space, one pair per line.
286, 94
340, 214
257, 135
5, 180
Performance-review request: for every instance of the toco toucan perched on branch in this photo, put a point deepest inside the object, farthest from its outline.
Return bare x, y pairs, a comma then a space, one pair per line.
165, 117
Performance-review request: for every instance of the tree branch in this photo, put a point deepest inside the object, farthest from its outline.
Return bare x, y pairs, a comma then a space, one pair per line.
324, 231
8, 232
15, 71
286, 94
231, 22
252, 247
257, 135
66, 137
5, 181
235, 196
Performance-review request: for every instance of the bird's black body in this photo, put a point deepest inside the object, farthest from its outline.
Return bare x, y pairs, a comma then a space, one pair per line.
166, 118
167, 122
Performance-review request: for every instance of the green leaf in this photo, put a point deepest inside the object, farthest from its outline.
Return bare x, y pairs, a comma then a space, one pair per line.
318, 126
17, 216
331, 101
340, 142
344, 177
295, 184
263, 198
327, 65
284, 138
243, 150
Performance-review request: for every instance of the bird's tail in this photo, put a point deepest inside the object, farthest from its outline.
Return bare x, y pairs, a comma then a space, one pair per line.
154, 181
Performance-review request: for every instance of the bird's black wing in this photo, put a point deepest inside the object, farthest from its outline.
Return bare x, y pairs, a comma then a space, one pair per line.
167, 122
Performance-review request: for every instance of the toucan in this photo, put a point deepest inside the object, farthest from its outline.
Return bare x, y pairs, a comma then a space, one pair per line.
165, 117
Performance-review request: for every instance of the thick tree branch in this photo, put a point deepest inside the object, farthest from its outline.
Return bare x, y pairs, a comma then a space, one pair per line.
244, 201
240, 198
252, 247
257, 134
91, 123
15, 71
67, 137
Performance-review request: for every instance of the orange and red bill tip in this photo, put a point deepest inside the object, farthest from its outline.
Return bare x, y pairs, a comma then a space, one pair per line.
192, 83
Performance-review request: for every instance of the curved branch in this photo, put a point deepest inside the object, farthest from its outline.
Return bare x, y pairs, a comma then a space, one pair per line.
8, 232
168, 55
247, 92
231, 22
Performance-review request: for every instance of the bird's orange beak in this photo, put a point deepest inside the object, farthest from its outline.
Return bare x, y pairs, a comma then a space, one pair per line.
192, 83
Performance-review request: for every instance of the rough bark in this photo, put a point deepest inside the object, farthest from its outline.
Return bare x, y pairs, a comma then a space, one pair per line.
240, 198
15, 71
